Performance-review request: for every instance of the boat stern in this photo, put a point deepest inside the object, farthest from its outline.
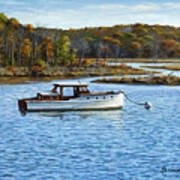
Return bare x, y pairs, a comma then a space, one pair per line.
22, 105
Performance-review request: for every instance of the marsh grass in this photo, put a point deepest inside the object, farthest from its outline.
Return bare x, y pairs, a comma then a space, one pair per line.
154, 80
13, 75
143, 60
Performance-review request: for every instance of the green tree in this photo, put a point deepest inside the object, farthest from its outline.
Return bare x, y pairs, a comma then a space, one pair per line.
3, 18
63, 50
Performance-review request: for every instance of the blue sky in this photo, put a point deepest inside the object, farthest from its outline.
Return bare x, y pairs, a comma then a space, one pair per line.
66, 14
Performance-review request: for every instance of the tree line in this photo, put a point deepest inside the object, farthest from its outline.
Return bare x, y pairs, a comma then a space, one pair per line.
24, 45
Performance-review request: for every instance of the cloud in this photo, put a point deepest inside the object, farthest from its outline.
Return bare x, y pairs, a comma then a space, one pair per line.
171, 6
13, 3
147, 7
98, 15
112, 7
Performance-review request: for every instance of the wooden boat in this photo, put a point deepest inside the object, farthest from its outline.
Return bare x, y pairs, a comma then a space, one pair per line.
82, 99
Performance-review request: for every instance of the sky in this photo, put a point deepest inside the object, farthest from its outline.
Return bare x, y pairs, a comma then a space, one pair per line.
65, 14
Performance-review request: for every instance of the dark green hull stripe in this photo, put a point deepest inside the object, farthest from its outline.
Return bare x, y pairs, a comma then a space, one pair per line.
64, 110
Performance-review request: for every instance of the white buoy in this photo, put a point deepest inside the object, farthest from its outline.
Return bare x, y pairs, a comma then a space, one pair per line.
147, 105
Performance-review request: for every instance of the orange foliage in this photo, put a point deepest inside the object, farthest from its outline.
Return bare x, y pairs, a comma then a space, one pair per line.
101, 62
72, 30
2, 26
171, 44
29, 28
37, 68
97, 33
123, 65
136, 45
111, 40
12, 68
86, 61
26, 48
48, 38
14, 22
48, 46
76, 60
50, 49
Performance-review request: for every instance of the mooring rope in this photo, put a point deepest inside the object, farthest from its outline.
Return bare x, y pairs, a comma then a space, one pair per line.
147, 105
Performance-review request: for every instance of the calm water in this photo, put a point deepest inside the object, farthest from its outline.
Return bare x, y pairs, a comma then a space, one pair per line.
132, 143
164, 71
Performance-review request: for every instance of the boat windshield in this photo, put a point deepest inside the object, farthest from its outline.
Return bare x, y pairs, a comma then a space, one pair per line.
68, 91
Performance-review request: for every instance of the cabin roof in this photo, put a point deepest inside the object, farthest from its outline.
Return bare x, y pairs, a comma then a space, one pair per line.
70, 85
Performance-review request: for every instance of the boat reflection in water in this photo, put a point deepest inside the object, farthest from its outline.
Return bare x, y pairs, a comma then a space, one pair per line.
110, 114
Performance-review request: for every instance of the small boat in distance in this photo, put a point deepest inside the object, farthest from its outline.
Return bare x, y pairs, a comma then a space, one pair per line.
81, 100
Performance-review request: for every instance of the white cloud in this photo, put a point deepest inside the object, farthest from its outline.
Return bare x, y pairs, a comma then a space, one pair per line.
171, 6
101, 15
147, 7
112, 7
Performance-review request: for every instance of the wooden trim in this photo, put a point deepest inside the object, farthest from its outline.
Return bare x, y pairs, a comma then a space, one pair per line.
71, 85
61, 92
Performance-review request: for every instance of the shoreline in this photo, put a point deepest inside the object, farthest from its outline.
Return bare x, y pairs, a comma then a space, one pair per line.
165, 67
155, 80
65, 73
142, 60
26, 80
29, 79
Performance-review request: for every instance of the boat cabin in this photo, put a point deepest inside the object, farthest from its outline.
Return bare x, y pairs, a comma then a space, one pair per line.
57, 93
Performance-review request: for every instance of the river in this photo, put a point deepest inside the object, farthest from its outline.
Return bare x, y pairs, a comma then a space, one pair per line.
132, 143
138, 65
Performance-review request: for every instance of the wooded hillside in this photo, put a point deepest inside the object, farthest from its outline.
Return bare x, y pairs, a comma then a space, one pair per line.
24, 45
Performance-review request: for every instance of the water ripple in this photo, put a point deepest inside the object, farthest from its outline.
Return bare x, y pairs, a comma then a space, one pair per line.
125, 144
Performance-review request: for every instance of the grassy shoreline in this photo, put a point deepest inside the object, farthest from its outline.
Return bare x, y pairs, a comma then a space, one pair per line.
28, 80
16, 77
155, 80
142, 60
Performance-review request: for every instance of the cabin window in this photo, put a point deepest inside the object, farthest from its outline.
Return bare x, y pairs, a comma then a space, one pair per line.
39, 96
46, 97
87, 98
104, 97
68, 91
84, 90
111, 96
97, 98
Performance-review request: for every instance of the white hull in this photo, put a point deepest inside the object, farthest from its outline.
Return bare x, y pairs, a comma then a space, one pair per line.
98, 102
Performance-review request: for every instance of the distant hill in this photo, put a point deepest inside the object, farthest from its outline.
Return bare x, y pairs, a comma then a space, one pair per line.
26, 45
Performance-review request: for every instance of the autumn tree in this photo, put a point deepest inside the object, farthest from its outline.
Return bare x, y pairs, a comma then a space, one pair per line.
136, 49
170, 47
47, 50
155, 33
81, 46
26, 51
115, 45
